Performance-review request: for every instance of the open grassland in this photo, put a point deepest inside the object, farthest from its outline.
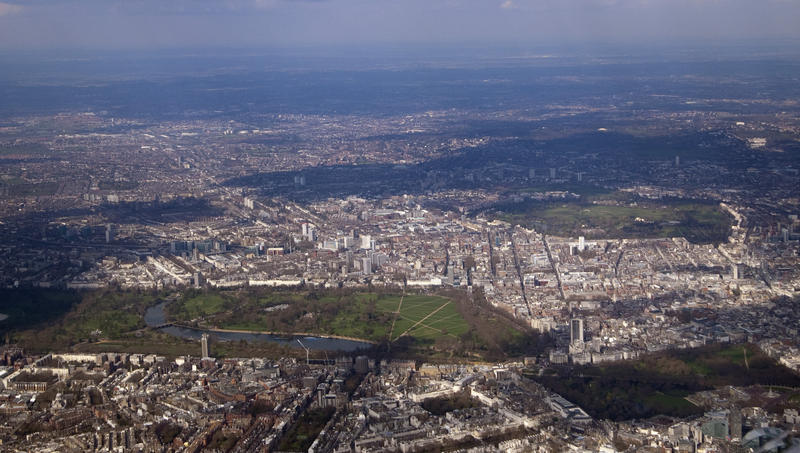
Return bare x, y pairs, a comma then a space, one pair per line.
620, 216
203, 304
435, 326
425, 317
369, 316
445, 325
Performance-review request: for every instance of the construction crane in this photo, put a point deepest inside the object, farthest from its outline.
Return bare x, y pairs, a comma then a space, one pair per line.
304, 347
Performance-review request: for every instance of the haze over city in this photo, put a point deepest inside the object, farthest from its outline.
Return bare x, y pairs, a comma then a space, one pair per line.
410, 226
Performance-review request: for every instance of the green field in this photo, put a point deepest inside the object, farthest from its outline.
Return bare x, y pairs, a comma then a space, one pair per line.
427, 317
369, 316
445, 326
203, 304
623, 217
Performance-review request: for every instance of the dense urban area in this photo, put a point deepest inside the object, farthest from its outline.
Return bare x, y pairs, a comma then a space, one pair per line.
562, 255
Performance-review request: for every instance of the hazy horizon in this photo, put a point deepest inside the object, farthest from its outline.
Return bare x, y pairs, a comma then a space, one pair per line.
81, 25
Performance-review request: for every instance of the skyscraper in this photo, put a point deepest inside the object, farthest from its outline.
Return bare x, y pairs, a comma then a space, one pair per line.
576, 331
204, 345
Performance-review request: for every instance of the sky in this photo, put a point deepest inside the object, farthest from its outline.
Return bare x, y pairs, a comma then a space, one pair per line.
167, 24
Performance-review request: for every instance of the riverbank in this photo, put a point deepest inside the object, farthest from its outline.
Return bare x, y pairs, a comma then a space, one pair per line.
155, 318
290, 335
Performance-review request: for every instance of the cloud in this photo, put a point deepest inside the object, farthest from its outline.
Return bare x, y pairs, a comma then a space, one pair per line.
8, 9
508, 4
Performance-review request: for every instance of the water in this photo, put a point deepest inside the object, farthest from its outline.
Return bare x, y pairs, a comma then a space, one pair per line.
155, 316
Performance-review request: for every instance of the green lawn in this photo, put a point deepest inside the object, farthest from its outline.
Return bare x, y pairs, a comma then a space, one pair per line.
204, 304
439, 314
698, 222
109, 319
735, 354
670, 402
361, 315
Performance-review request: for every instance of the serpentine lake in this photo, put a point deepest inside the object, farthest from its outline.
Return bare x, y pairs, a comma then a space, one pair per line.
154, 316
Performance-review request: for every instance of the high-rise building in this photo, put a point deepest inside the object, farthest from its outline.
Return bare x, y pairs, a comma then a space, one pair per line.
735, 422
362, 364
552, 173
309, 232
576, 331
366, 266
366, 242
581, 243
204, 345
737, 271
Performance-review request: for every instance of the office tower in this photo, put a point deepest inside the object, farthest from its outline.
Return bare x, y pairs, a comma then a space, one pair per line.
366, 242
576, 331
204, 345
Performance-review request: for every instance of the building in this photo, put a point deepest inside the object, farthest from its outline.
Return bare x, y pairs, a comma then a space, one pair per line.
362, 365
576, 331
309, 232
367, 243
737, 270
204, 345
